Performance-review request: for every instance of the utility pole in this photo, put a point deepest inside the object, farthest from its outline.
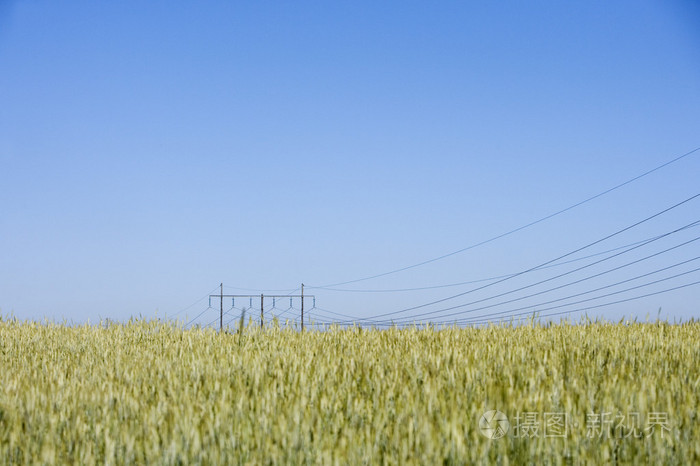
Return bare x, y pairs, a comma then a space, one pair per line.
221, 296
302, 307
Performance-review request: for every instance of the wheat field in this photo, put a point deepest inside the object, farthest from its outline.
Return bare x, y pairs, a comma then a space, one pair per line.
150, 392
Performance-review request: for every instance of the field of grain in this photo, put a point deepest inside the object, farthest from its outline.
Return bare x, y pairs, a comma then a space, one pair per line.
148, 392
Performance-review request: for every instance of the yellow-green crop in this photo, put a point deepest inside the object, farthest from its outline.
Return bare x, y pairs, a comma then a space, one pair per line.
154, 393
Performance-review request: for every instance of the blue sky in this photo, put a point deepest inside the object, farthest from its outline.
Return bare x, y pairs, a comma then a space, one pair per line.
150, 151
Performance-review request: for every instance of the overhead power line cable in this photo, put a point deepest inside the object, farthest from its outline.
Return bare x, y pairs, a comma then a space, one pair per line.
515, 230
194, 303
198, 316
590, 277
481, 280
334, 313
212, 322
486, 319
466, 319
549, 290
262, 290
217, 319
588, 308
618, 232
538, 305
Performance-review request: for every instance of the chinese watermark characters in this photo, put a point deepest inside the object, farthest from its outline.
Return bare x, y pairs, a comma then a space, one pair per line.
605, 424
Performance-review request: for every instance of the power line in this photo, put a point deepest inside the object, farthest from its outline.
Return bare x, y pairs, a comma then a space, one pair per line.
212, 322
481, 280
194, 303
219, 317
334, 313
510, 311
321, 320
485, 319
242, 309
540, 265
554, 278
285, 311
444, 256
599, 305
198, 316
561, 299
264, 291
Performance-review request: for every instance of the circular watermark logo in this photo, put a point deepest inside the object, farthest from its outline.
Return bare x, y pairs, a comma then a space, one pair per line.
494, 424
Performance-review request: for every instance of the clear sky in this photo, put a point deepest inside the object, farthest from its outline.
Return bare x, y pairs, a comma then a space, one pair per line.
151, 150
